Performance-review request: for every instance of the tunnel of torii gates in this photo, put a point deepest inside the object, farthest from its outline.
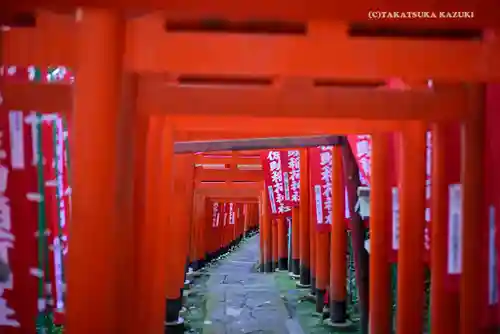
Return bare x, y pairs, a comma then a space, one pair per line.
160, 88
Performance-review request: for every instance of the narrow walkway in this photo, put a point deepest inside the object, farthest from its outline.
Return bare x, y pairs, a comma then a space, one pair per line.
234, 298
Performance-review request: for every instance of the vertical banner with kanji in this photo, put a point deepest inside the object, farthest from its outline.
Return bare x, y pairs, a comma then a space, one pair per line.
291, 176
273, 179
215, 214
361, 146
491, 237
56, 207
320, 167
23, 295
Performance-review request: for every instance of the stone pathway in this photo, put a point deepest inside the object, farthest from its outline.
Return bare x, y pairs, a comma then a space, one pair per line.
237, 299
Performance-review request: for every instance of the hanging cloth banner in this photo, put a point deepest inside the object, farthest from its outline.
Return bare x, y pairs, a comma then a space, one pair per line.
273, 179
291, 176
320, 166
55, 204
361, 146
231, 214
19, 200
489, 288
215, 214
51, 205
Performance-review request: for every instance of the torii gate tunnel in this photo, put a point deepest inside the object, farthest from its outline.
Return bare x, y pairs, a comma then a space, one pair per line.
156, 82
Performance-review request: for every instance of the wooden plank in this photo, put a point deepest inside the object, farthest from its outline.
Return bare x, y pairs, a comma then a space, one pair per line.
326, 52
228, 175
38, 97
204, 186
258, 144
485, 10
150, 50
200, 159
224, 193
246, 200
288, 101
304, 100
197, 125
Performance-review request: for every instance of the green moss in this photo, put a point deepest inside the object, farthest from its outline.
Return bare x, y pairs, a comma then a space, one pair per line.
304, 311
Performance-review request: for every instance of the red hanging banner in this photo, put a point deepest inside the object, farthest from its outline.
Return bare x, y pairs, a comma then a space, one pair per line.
18, 223
273, 179
320, 166
291, 177
361, 146
491, 239
56, 207
51, 204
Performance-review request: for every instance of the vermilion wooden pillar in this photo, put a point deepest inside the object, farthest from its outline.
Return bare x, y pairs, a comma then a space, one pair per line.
95, 230
380, 214
444, 304
282, 244
322, 267
410, 294
267, 234
338, 243
473, 213
178, 223
153, 234
262, 236
305, 251
313, 235
199, 215
275, 243
296, 241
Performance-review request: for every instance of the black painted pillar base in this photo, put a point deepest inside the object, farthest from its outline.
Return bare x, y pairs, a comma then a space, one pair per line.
196, 265
296, 267
268, 267
338, 312
283, 264
313, 286
305, 275
173, 307
320, 300
175, 327
275, 265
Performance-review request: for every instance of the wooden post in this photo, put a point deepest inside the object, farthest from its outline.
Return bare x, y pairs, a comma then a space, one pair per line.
338, 244
322, 268
262, 236
177, 242
296, 240
380, 214
305, 251
97, 232
282, 244
445, 309
313, 235
274, 223
410, 294
267, 235
473, 213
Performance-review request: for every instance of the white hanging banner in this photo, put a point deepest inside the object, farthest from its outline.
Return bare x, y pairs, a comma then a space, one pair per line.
455, 229
395, 218
16, 129
492, 259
